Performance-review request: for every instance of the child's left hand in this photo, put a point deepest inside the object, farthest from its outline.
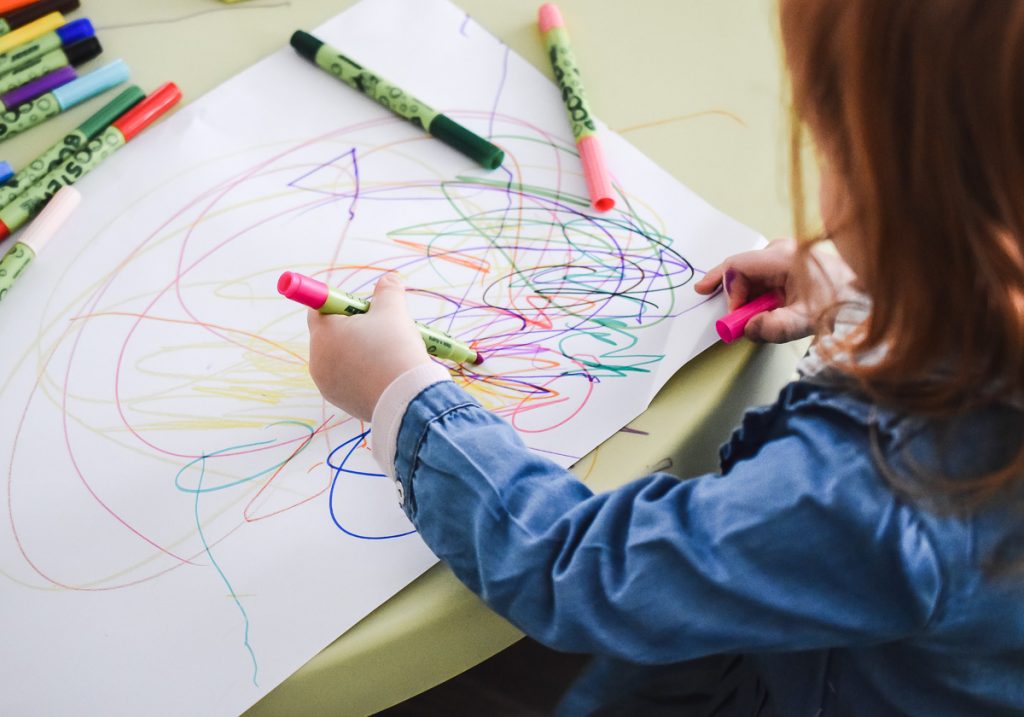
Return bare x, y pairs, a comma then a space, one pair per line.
352, 359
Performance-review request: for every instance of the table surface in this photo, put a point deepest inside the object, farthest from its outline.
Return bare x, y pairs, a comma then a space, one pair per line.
696, 86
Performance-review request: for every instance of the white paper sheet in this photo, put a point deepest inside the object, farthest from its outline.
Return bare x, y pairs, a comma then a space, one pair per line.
187, 523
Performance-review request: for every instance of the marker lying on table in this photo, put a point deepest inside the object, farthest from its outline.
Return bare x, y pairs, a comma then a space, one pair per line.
328, 300
57, 154
84, 160
584, 129
61, 37
6, 172
397, 100
74, 55
23, 16
730, 327
62, 98
8, 5
39, 232
39, 86
31, 31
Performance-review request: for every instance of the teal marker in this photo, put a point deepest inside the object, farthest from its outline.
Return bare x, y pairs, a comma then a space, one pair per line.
56, 155
73, 55
62, 98
397, 100
327, 300
124, 128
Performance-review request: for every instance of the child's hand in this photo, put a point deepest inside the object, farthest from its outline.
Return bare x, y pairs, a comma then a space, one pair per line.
747, 275
352, 359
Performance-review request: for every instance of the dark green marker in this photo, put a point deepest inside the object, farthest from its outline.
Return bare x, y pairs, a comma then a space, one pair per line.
397, 100
120, 131
56, 155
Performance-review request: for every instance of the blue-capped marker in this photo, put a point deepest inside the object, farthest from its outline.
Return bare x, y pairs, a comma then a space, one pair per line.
62, 98
6, 172
65, 35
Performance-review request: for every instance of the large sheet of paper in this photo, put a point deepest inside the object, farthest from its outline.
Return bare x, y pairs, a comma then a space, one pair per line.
186, 521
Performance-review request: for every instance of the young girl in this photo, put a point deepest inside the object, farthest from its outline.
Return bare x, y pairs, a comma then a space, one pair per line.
862, 545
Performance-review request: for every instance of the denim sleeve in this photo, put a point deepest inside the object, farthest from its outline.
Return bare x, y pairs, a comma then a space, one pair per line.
798, 547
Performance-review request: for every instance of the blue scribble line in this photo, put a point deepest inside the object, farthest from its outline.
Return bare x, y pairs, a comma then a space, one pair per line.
339, 468
206, 548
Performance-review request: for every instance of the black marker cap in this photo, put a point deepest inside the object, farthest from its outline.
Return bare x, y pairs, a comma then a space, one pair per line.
83, 51
306, 45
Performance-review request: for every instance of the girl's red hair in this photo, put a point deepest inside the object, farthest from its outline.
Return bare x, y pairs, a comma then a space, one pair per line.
919, 107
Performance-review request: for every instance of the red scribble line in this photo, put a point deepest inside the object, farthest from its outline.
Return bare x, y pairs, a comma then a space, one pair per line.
452, 255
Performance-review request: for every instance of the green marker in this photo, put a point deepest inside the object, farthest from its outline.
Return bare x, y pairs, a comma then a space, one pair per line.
56, 155
327, 300
23, 252
397, 100
73, 55
15, 214
51, 104
53, 40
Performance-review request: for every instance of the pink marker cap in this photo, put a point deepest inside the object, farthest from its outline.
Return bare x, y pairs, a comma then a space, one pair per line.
730, 327
303, 289
52, 218
549, 16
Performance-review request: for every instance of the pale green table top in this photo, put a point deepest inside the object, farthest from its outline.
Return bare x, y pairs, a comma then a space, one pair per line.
696, 86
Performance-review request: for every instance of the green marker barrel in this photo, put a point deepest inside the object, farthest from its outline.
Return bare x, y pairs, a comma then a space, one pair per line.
51, 104
56, 155
36, 237
327, 300
14, 262
397, 100
73, 55
63, 36
15, 214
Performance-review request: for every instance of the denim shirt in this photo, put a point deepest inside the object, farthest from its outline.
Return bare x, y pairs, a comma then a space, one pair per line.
851, 598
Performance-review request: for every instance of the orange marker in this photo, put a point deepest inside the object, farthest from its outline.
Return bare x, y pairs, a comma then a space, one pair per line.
7, 5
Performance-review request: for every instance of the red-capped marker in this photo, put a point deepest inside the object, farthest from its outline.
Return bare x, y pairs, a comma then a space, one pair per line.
128, 125
148, 111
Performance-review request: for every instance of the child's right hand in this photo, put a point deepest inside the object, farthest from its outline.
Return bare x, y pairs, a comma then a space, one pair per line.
750, 274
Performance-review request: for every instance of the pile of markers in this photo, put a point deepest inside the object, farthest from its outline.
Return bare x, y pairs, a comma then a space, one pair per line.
39, 53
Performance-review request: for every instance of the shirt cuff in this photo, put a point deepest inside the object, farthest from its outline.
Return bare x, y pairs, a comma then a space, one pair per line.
390, 410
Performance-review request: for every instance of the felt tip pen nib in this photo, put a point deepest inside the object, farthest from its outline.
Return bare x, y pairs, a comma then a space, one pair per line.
479, 359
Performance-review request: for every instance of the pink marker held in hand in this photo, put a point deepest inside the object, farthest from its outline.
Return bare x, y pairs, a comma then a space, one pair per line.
731, 326
584, 129
327, 300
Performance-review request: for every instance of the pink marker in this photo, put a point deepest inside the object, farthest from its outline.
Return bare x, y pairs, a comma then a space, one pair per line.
327, 300
730, 327
584, 129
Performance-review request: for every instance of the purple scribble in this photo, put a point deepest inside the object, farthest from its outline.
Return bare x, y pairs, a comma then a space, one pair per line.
353, 193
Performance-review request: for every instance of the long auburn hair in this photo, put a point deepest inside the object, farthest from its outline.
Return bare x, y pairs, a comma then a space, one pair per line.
919, 107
